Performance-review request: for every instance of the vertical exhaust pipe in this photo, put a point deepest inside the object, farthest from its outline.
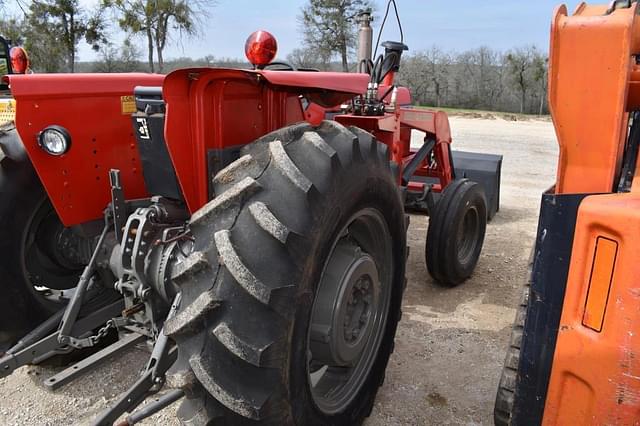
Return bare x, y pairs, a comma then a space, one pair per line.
365, 35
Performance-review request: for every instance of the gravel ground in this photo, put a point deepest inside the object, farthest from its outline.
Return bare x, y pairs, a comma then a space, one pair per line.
451, 342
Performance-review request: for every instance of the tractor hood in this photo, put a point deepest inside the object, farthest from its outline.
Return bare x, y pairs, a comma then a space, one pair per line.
64, 85
95, 110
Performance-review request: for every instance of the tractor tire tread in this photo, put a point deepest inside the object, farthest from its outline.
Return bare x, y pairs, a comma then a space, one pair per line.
193, 314
442, 264
235, 341
508, 380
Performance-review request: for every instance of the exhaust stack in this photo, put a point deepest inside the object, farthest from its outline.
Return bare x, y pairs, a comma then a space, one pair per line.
365, 35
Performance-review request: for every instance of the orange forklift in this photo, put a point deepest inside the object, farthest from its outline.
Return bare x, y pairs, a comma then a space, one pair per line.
574, 354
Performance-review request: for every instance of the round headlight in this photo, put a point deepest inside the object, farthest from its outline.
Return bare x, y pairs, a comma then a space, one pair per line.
55, 140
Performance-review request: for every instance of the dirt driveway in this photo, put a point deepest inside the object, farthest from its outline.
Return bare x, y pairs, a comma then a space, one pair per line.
451, 342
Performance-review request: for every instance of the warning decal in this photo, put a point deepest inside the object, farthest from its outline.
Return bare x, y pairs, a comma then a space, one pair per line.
128, 104
7, 111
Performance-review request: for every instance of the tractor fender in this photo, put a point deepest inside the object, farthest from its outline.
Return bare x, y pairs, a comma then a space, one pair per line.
332, 81
95, 110
312, 84
226, 110
353, 83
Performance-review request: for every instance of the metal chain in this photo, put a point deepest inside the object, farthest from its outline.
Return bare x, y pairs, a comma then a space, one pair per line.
102, 333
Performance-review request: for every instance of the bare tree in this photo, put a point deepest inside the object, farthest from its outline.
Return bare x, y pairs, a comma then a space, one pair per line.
209, 60
414, 74
481, 77
305, 57
489, 83
540, 74
118, 59
328, 26
438, 63
157, 20
519, 64
427, 73
108, 59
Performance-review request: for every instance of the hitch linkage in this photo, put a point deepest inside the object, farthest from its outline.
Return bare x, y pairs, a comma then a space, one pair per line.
162, 358
35, 347
74, 332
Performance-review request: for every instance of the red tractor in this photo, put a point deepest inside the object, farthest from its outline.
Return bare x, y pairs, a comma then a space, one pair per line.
218, 214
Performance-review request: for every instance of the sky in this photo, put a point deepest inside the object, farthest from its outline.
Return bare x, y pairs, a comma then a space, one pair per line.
451, 25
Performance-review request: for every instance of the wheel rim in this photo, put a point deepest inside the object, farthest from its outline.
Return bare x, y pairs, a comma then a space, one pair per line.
468, 234
350, 311
50, 257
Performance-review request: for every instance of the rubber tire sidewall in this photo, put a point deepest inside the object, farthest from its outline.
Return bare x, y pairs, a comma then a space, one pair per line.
246, 353
441, 254
359, 194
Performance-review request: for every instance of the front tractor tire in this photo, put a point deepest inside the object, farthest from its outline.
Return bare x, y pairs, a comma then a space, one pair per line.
456, 233
291, 297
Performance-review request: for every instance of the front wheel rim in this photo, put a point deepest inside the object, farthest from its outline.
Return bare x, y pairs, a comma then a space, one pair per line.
468, 235
350, 311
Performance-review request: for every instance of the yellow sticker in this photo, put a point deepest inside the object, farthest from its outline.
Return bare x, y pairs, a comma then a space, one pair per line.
128, 104
7, 111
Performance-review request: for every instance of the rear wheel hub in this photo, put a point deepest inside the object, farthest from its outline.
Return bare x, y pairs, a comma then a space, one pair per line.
342, 318
349, 312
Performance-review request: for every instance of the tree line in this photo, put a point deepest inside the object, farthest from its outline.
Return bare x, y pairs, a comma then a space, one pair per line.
52, 30
481, 78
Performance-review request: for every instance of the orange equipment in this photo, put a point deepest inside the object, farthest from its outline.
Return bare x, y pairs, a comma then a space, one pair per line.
574, 356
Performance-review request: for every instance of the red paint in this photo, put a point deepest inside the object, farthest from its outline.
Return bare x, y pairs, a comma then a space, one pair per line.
389, 79
207, 109
320, 81
403, 95
218, 109
394, 129
89, 107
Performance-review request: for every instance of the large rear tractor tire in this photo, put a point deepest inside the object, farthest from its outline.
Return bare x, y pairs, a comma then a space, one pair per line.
291, 297
456, 233
34, 279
